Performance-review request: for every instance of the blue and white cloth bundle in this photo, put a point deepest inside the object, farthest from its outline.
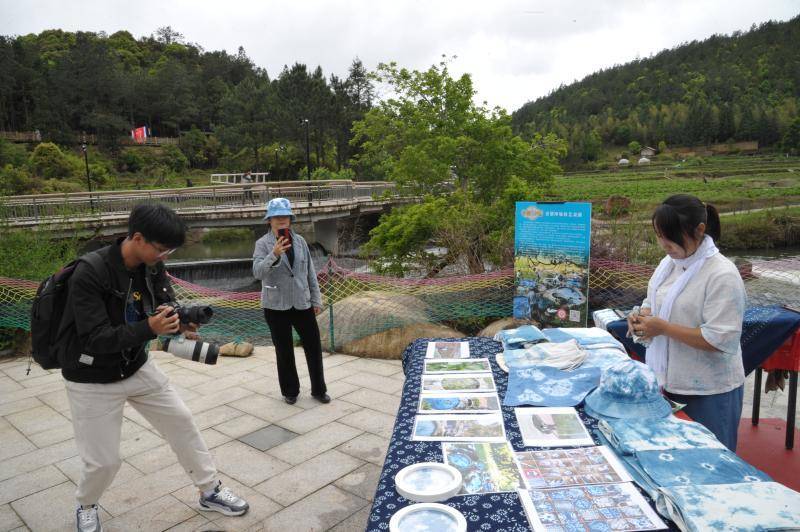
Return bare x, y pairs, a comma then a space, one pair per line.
548, 386
588, 338
520, 337
695, 480
564, 355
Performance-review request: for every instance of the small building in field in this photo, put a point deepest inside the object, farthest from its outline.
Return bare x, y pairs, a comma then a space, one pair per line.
647, 151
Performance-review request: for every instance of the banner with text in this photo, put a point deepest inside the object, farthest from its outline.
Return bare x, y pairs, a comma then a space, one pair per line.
551, 263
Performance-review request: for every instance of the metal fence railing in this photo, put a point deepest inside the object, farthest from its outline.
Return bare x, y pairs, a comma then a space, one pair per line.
62, 207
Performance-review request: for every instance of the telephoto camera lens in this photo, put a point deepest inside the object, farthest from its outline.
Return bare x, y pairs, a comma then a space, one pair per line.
196, 314
203, 352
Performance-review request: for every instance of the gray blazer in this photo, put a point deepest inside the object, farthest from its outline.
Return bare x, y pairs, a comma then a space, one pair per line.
283, 287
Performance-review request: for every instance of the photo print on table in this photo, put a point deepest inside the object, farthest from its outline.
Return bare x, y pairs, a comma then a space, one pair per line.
597, 507
551, 427
472, 365
465, 403
458, 383
447, 350
571, 467
456, 427
484, 467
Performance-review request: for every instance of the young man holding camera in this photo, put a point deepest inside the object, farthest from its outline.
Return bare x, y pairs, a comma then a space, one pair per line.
112, 315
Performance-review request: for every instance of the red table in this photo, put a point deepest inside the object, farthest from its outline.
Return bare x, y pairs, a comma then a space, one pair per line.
787, 358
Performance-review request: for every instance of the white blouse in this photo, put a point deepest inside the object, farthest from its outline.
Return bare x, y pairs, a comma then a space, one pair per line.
714, 301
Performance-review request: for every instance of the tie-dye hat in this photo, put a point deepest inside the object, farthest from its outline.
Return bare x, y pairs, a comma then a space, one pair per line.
279, 207
628, 389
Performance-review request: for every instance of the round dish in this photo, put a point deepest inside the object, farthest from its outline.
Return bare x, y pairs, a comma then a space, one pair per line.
501, 361
428, 517
428, 482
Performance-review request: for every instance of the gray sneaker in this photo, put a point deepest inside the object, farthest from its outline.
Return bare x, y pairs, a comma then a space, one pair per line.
88, 520
224, 501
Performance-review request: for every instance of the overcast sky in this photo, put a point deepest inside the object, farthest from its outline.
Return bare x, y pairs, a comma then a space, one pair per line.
516, 51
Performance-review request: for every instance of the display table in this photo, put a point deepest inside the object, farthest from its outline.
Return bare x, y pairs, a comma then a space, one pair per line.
770, 340
495, 511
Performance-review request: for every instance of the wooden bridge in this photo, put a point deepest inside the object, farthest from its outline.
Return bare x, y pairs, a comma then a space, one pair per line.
106, 213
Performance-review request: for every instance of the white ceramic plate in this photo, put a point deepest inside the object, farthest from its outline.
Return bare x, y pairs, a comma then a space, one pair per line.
428, 517
428, 482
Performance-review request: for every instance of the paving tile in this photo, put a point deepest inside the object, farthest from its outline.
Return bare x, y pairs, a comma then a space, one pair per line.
160, 514
313, 443
25, 463
317, 512
42, 380
214, 438
268, 437
52, 509
14, 442
49, 437
266, 408
241, 425
388, 404
263, 385
9, 518
195, 524
216, 398
340, 388
375, 382
336, 359
361, 482
38, 419
228, 381
18, 370
339, 372
308, 420
304, 479
261, 507
186, 378
72, 468
154, 459
368, 447
247, 465
22, 485
57, 400
355, 523
133, 415
19, 406
131, 495
215, 416
372, 421
7, 384
371, 366
16, 395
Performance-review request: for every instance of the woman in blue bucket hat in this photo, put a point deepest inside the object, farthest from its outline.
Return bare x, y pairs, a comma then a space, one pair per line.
692, 317
290, 297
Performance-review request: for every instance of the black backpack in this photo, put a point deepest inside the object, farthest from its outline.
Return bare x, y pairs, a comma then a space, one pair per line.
48, 310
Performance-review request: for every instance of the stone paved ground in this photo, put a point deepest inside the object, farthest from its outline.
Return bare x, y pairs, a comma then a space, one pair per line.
306, 467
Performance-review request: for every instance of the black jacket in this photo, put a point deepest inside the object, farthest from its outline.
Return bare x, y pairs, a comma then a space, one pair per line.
99, 346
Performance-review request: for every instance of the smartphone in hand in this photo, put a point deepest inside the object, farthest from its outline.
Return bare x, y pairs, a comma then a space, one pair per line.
285, 234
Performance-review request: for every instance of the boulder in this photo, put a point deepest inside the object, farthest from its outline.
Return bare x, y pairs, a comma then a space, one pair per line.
391, 343
236, 349
502, 324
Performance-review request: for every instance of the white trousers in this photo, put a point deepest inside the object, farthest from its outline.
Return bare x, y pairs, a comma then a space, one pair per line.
97, 420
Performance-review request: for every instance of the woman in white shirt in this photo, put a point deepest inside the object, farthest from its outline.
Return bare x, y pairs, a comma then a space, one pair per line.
692, 317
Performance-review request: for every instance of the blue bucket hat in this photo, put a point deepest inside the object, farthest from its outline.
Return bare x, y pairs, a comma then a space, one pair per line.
628, 389
279, 207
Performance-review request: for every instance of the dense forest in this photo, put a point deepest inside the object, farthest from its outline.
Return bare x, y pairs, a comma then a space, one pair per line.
227, 111
745, 86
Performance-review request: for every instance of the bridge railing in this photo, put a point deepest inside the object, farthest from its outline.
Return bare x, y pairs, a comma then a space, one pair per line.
57, 207
232, 179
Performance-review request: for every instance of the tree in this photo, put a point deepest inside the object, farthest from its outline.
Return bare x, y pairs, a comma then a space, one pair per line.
634, 147
430, 136
48, 162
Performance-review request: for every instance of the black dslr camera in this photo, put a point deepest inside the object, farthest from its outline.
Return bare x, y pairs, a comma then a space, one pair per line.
195, 350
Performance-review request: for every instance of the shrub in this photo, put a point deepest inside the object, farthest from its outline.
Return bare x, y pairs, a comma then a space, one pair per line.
131, 161
174, 159
48, 161
13, 154
15, 181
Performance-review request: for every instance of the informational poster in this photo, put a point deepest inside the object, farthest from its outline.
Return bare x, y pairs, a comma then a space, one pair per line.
551, 263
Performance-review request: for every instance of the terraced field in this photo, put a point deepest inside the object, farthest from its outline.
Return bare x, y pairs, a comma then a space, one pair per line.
732, 183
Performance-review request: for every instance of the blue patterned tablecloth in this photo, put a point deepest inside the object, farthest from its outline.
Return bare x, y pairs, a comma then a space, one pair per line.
496, 511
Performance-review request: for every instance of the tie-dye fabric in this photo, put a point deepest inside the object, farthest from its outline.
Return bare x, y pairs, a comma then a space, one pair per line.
564, 355
628, 436
518, 338
590, 338
546, 386
603, 358
748, 507
683, 467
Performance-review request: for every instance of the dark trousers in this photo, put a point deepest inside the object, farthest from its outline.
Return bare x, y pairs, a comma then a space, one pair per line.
280, 324
719, 413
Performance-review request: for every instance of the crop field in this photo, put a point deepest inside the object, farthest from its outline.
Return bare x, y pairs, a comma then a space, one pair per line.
732, 183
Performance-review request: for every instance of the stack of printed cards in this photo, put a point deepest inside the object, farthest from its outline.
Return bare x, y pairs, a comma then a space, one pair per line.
458, 397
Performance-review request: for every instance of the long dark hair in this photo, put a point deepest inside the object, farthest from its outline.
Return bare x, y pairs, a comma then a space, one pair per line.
679, 215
